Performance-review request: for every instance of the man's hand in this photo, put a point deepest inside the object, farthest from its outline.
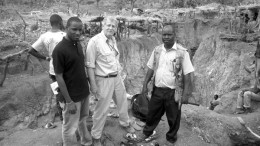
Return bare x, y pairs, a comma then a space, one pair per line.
185, 98
72, 108
48, 59
94, 91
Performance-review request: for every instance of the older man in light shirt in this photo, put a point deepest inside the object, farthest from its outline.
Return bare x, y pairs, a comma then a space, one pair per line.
102, 60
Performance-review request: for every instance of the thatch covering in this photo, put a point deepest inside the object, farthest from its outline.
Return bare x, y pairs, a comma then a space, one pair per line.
209, 7
97, 19
248, 7
138, 18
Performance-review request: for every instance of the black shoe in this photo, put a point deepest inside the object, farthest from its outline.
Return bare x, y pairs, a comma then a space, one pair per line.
248, 110
240, 111
169, 143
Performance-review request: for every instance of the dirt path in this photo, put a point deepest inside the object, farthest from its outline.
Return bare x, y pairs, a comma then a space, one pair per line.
113, 133
51, 137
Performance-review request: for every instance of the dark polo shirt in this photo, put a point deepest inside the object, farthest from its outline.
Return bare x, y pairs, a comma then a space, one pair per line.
68, 59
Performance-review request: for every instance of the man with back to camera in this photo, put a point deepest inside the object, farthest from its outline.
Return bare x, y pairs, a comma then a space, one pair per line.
167, 62
48, 41
68, 62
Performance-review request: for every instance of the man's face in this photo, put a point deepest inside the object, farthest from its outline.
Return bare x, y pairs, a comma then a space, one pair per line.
110, 28
74, 30
168, 35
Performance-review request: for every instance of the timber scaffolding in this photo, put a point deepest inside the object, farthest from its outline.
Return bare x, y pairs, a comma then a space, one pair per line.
244, 24
242, 20
93, 25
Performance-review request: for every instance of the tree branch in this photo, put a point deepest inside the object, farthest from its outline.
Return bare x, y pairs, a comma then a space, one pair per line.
13, 55
25, 24
5, 72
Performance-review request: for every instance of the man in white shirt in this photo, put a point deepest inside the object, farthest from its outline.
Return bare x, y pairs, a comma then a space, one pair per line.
102, 59
170, 64
48, 41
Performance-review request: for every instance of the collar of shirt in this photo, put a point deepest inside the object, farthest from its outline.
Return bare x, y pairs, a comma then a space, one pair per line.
74, 43
103, 36
174, 47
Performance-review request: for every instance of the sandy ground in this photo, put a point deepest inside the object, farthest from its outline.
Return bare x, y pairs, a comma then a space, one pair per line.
113, 135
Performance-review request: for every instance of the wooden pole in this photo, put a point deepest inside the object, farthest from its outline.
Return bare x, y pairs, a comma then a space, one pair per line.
25, 25
157, 26
5, 72
128, 30
27, 62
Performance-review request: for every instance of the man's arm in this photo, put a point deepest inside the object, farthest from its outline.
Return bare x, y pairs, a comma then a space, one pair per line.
35, 53
149, 74
38, 45
63, 88
187, 88
188, 69
253, 89
92, 80
59, 64
148, 77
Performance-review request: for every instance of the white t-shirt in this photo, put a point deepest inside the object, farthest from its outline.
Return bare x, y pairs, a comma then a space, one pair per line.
48, 41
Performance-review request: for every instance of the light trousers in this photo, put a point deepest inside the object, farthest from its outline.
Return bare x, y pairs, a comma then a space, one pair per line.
76, 122
245, 99
106, 88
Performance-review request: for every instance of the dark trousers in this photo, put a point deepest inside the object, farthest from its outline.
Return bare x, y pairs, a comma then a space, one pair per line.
162, 100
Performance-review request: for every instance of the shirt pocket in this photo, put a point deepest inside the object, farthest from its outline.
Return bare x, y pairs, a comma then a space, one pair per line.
107, 57
171, 65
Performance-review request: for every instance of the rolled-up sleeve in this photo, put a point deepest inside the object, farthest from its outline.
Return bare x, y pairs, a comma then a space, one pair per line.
58, 61
91, 54
150, 63
187, 65
38, 45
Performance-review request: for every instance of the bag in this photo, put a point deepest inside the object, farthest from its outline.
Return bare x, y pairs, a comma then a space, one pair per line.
139, 106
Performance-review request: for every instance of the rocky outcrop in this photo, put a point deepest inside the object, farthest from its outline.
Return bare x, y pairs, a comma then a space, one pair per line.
220, 67
134, 54
224, 130
25, 101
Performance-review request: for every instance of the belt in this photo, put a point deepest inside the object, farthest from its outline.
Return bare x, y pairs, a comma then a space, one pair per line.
164, 88
108, 76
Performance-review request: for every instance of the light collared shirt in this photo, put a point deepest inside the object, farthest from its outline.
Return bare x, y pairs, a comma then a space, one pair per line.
103, 55
48, 41
164, 75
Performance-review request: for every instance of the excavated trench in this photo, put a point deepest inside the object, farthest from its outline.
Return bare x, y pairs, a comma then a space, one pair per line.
219, 69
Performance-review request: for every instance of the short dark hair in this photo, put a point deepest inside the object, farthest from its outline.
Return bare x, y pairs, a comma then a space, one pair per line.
172, 25
216, 96
55, 19
72, 19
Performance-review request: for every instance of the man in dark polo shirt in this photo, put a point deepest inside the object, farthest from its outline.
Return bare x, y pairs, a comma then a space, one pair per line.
68, 62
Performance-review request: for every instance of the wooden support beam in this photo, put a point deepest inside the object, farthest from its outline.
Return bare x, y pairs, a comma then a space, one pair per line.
13, 55
5, 72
